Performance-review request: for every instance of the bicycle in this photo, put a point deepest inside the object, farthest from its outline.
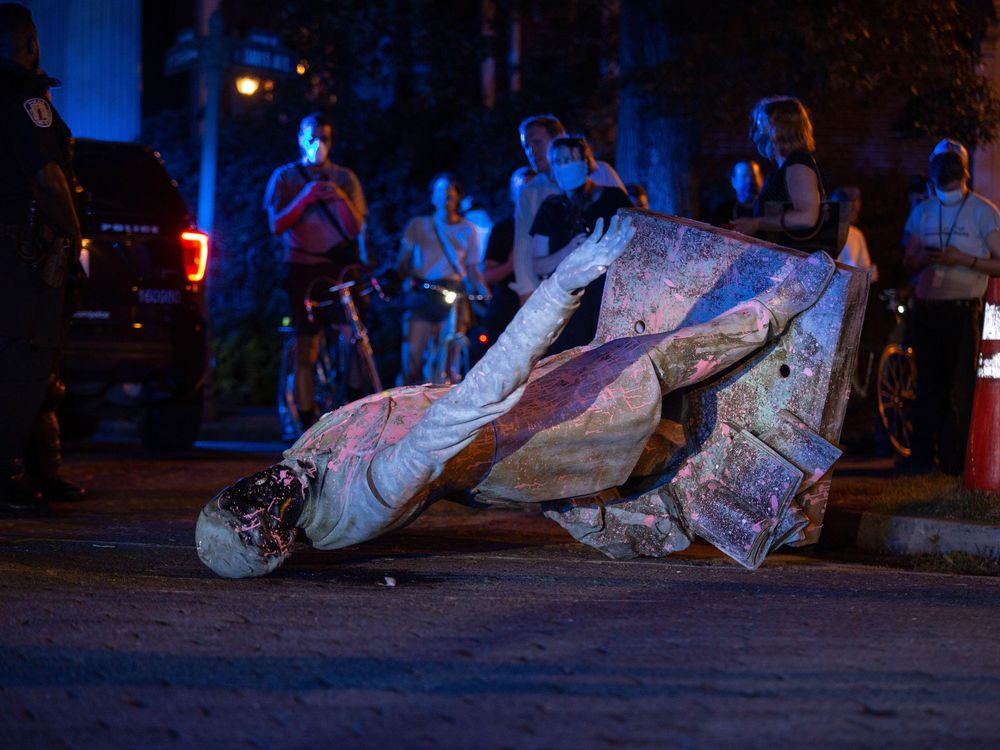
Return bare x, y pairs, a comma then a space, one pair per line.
896, 381
446, 359
340, 354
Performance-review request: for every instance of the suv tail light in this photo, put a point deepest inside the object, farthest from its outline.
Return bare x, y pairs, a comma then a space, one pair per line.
195, 245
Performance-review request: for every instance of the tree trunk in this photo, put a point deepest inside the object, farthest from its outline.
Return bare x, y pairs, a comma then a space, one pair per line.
658, 144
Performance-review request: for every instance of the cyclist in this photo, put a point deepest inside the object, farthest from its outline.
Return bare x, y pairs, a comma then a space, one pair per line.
440, 250
318, 209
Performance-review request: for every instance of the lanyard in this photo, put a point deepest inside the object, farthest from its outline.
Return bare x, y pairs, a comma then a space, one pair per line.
943, 245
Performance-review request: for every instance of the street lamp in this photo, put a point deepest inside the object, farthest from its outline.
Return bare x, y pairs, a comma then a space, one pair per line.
247, 85
259, 52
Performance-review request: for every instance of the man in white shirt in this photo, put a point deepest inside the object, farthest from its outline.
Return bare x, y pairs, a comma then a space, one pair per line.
954, 246
537, 132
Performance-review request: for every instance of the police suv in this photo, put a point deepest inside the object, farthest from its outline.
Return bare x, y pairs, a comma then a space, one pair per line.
137, 340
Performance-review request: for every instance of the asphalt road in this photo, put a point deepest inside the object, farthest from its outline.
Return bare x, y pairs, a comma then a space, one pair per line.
500, 632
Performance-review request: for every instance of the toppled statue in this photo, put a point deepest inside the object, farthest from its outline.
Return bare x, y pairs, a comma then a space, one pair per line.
519, 429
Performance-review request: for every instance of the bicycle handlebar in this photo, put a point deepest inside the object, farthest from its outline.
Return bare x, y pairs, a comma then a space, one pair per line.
450, 295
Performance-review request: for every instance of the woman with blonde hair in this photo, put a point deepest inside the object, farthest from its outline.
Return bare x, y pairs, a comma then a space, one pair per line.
781, 131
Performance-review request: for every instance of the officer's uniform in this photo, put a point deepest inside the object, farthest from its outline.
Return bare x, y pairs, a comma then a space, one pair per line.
32, 134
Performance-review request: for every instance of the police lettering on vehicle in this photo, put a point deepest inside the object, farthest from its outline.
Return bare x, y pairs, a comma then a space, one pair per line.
39, 111
133, 228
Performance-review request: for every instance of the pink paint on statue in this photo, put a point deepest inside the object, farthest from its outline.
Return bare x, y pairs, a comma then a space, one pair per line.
702, 367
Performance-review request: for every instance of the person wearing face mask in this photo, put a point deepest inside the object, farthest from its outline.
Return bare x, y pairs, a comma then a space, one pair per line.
565, 220
782, 132
537, 133
953, 246
318, 209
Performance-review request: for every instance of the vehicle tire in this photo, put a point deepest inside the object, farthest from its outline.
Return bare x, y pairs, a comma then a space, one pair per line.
172, 425
897, 390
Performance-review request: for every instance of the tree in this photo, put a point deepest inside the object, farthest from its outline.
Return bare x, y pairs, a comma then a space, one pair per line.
684, 62
401, 79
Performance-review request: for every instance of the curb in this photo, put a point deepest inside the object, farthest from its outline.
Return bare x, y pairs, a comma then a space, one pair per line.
909, 535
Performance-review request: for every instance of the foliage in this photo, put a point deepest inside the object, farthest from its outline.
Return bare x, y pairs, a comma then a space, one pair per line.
402, 79
921, 53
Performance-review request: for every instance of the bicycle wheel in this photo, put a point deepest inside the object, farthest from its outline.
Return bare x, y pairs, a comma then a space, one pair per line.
330, 373
288, 412
897, 390
328, 390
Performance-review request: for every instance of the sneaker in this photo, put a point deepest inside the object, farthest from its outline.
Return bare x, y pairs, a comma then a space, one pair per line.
17, 501
799, 290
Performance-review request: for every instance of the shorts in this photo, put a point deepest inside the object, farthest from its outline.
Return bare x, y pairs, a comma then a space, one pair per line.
300, 281
428, 305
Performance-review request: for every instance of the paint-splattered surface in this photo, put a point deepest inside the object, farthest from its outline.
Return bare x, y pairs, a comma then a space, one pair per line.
679, 273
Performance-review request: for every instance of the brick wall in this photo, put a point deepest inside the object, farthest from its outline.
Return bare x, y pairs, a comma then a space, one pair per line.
854, 146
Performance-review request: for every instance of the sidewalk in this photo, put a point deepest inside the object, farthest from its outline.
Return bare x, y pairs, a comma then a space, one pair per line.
875, 509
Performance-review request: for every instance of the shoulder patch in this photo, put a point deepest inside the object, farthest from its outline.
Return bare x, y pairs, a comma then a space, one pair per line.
40, 112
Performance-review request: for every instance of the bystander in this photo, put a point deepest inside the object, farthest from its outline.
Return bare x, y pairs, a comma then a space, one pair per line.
537, 133
953, 246
318, 209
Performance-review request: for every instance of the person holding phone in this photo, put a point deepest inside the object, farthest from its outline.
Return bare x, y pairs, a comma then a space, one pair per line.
318, 209
953, 246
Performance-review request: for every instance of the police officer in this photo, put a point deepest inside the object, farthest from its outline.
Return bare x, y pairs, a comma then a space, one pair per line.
39, 238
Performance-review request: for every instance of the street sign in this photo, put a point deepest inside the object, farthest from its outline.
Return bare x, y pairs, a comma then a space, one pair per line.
263, 52
184, 53
260, 52
215, 55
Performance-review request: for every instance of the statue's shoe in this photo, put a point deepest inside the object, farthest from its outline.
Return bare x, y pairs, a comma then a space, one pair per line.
800, 289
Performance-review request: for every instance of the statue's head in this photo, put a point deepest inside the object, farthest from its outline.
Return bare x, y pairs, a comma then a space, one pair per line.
247, 530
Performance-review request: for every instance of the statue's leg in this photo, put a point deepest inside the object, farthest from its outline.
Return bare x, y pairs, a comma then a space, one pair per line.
690, 355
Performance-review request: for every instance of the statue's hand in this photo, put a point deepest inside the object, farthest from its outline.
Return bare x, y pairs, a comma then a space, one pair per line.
593, 257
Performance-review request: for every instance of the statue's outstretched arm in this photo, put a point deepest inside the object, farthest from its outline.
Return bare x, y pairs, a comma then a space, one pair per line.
497, 381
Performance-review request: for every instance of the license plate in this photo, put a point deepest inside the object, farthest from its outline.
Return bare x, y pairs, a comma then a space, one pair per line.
159, 296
